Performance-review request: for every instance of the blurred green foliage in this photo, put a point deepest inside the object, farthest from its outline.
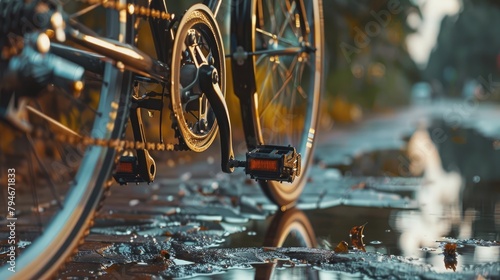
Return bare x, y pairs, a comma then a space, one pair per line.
368, 60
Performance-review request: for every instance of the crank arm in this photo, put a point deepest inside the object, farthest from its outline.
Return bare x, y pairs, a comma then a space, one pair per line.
209, 79
146, 166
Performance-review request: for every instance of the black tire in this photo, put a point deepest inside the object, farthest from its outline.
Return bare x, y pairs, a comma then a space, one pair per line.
280, 108
66, 226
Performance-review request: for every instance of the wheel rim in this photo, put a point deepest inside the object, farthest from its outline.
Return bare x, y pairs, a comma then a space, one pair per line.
64, 230
288, 86
194, 117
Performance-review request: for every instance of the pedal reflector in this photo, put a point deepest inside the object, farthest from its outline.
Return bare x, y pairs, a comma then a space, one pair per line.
125, 167
277, 163
269, 165
126, 170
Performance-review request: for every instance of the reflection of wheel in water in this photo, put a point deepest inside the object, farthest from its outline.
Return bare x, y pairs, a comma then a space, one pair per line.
197, 42
290, 228
283, 83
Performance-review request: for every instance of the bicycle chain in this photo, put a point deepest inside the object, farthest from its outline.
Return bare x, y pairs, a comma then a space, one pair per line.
120, 144
131, 9
117, 144
146, 13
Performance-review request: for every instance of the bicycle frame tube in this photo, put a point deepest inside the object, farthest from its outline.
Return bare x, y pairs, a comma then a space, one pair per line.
162, 37
125, 56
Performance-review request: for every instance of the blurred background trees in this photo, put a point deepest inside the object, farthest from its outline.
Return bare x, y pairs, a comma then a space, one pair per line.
369, 64
467, 48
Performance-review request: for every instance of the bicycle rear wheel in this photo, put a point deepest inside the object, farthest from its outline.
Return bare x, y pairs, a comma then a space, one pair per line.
280, 94
59, 186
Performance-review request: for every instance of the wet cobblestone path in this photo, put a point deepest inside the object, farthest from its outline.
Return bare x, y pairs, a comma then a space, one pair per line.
415, 178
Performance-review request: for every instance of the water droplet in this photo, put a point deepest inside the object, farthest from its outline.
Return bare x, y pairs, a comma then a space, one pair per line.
376, 242
186, 176
251, 233
214, 185
476, 179
133, 202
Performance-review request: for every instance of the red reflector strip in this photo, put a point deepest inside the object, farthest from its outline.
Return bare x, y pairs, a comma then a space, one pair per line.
263, 165
125, 167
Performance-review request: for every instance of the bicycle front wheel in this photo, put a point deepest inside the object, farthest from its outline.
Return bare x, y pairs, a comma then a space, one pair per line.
280, 99
59, 185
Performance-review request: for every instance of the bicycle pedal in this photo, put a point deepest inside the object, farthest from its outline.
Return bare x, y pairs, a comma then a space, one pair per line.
126, 170
270, 162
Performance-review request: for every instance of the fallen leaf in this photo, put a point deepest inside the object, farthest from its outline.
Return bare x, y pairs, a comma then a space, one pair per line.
450, 249
356, 235
341, 248
165, 254
450, 256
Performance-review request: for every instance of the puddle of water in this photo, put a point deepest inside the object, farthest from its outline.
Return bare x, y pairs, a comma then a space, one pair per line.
459, 198
458, 202
448, 173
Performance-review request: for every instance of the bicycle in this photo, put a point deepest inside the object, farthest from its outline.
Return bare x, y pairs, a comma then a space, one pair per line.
276, 60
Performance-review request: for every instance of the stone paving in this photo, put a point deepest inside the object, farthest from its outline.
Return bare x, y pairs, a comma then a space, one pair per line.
192, 202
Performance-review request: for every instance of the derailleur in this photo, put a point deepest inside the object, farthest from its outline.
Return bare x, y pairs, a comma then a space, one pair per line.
29, 73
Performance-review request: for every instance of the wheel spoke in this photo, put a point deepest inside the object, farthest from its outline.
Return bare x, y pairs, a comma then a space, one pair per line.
45, 171
84, 11
77, 101
267, 76
34, 193
272, 16
278, 93
287, 13
52, 121
298, 77
276, 37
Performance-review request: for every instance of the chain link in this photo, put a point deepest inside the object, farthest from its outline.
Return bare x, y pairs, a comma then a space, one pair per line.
131, 9
117, 144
